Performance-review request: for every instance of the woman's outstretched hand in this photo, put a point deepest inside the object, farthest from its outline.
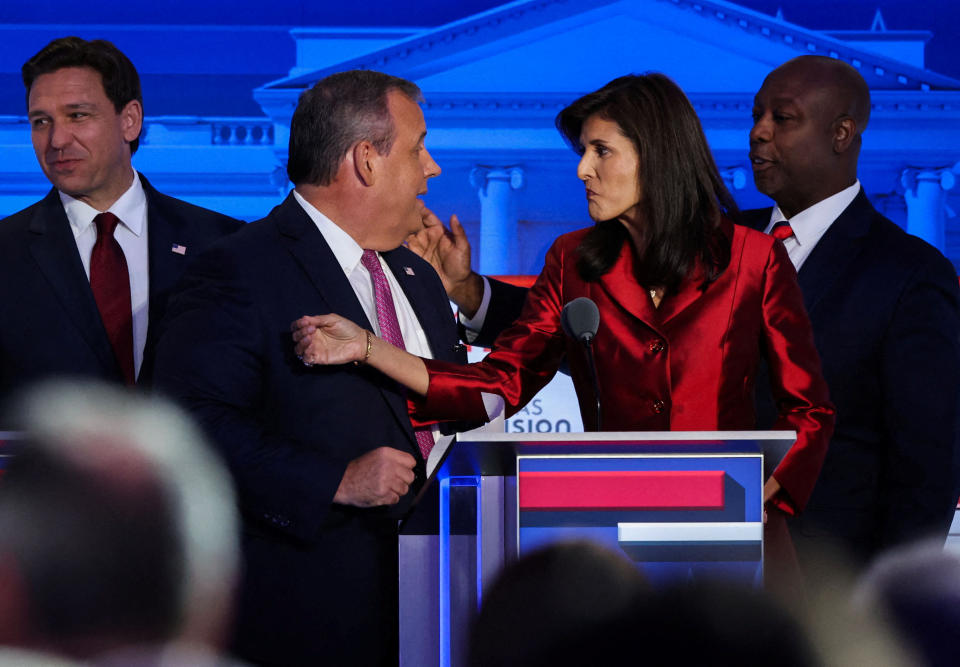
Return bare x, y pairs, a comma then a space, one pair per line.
328, 340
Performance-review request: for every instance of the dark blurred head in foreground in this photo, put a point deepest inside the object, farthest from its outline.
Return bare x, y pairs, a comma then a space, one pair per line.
580, 604
117, 528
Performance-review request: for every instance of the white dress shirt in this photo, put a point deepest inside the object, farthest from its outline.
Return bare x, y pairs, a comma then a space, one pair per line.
812, 223
472, 325
131, 234
348, 254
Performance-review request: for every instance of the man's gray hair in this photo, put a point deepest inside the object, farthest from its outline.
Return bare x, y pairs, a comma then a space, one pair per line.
336, 113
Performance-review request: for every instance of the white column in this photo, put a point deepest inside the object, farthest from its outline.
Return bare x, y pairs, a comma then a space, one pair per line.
498, 218
926, 194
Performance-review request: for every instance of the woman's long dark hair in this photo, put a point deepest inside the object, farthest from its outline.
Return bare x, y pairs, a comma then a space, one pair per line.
683, 196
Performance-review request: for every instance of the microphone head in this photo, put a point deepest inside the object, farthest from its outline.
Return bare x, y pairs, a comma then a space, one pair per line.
581, 319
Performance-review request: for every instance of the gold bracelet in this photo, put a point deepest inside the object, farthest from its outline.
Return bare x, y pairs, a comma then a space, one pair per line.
366, 356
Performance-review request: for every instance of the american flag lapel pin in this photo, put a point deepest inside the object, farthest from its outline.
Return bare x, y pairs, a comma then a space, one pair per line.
408, 270
179, 249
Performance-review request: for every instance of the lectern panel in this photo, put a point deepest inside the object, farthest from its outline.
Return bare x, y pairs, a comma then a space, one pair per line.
674, 515
678, 504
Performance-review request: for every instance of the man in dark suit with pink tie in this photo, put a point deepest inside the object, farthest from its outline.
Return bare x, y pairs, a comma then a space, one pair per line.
85, 272
884, 306
326, 460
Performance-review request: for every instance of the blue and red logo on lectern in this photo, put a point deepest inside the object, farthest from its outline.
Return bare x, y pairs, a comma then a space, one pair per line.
674, 515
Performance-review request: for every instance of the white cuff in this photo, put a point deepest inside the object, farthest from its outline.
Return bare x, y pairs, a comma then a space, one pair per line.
475, 323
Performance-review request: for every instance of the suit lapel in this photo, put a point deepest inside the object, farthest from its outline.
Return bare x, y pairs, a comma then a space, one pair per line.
690, 289
622, 287
164, 265
55, 251
688, 292
310, 250
835, 250
305, 242
424, 303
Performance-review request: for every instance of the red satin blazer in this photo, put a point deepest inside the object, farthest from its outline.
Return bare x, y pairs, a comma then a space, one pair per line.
688, 365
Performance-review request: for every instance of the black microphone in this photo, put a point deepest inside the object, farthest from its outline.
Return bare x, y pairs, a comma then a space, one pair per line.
581, 319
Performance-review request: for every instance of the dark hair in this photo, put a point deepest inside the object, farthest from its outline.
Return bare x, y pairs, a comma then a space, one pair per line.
683, 196
120, 80
336, 113
561, 594
686, 624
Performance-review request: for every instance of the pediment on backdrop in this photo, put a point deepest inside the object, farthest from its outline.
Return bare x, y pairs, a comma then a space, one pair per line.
569, 46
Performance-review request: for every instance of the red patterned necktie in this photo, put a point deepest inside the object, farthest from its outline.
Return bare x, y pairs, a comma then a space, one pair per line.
110, 282
781, 230
390, 328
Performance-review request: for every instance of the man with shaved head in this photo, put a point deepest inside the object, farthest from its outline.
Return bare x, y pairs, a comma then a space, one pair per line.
884, 308
808, 119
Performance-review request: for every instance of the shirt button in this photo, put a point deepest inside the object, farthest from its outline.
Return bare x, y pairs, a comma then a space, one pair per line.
658, 406
656, 346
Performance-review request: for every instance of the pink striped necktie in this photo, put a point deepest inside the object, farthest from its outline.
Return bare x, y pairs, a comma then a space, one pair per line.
390, 328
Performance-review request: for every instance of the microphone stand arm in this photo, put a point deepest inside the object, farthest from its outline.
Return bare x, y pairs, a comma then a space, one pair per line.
588, 344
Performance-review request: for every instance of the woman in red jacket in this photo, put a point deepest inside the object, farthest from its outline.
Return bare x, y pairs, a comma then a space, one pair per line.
689, 302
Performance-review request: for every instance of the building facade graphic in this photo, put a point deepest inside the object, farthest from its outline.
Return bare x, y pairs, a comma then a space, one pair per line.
493, 83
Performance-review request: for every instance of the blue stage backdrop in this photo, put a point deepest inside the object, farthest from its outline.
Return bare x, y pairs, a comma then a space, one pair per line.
221, 79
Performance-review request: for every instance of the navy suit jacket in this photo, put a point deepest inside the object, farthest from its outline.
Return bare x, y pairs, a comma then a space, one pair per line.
885, 309
321, 579
506, 303
50, 322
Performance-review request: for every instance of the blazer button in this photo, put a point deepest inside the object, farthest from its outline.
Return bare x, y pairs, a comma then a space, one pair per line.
658, 406
656, 346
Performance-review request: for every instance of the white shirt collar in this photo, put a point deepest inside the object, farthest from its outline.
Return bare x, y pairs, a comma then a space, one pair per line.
812, 223
130, 208
347, 251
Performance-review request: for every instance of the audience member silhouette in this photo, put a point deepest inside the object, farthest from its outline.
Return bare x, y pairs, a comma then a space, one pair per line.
117, 531
580, 604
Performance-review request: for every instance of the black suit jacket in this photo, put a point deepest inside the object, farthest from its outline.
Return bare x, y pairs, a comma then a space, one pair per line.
321, 579
50, 322
506, 302
885, 309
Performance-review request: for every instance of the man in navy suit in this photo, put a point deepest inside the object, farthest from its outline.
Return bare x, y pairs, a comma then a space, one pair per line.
885, 309
86, 112
325, 458
884, 306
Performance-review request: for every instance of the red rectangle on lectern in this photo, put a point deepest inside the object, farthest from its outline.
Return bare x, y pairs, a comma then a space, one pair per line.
615, 489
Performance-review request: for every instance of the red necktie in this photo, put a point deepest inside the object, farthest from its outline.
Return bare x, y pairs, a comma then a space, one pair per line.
781, 230
390, 328
110, 282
